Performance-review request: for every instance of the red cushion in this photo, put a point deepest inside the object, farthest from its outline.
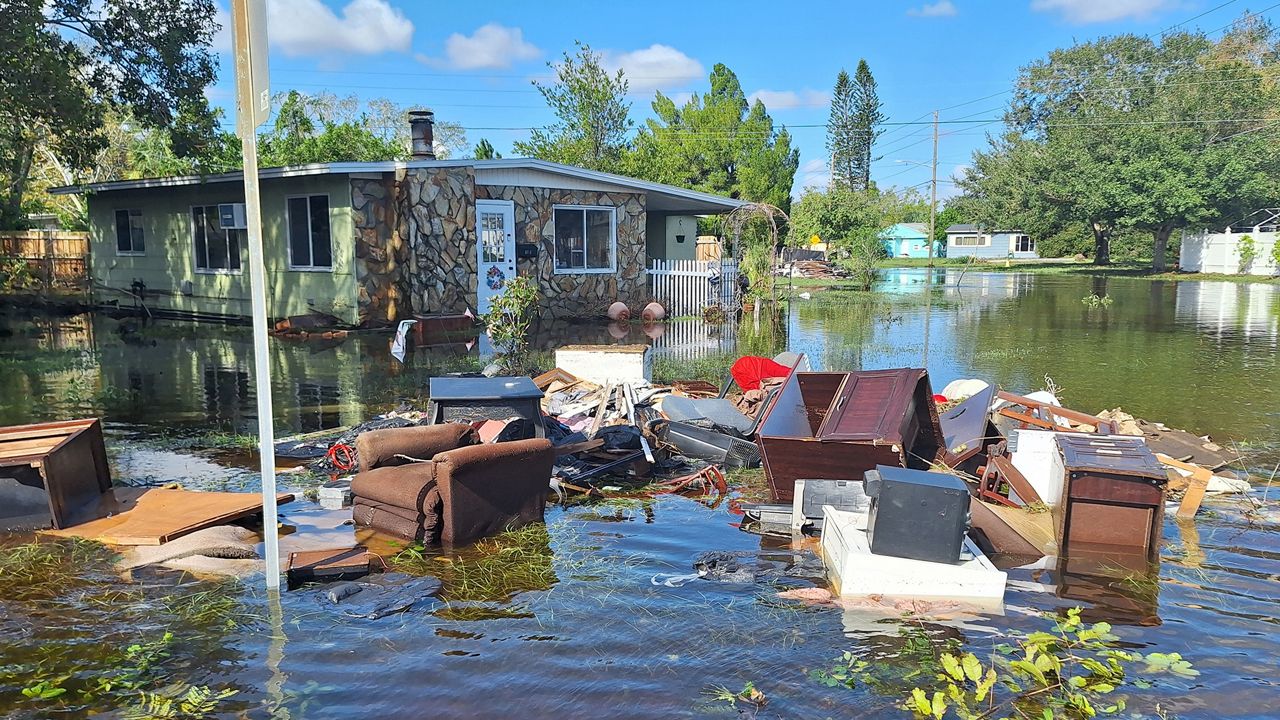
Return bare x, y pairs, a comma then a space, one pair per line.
749, 370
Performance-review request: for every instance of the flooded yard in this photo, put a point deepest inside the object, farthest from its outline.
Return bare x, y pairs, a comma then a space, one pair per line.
568, 620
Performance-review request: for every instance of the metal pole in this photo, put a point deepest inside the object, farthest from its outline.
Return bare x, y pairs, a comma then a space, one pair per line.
246, 93
933, 190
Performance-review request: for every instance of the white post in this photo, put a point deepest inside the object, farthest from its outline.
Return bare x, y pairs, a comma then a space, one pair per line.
253, 106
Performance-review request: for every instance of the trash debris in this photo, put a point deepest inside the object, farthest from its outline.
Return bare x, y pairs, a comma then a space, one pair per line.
398, 342
601, 364
333, 565
53, 474
227, 542
1113, 494
463, 399
153, 516
335, 494
377, 596
900, 498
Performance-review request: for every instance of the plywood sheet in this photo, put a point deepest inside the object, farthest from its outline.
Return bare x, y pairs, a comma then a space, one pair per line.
1035, 528
153, 516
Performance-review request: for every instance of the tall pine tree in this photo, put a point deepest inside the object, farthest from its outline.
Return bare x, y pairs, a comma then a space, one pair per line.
867, 119
842, 134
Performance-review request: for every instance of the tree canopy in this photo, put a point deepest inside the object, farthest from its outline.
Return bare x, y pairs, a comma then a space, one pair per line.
592, 112
66, 64
843, 145
867, 119
717, 143
1128, 132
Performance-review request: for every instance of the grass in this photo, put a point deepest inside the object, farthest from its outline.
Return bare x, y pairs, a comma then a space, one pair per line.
711, 368
1125, 268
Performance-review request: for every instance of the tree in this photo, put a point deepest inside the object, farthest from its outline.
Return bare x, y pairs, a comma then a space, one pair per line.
593, 114
485, 151
65, 63
843, 143
717, 143
850, 222
867, 119
1127, 132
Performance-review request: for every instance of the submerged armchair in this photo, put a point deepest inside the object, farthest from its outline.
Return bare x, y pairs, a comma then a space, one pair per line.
460, 491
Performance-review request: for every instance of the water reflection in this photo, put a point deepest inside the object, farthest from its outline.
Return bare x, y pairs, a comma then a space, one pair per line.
1225, 309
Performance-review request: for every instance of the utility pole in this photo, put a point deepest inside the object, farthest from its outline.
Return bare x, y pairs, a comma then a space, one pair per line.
933, 191
253, 106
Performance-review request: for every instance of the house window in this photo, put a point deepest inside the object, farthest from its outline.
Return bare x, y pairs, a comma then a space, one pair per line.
217, 250
1023, 243
585, 238
971, 241
310, 247
129, 239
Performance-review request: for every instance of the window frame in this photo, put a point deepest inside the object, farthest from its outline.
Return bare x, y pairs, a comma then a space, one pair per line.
130, 252
1017, 240
288, 228
613, 240
979, 241
195, 258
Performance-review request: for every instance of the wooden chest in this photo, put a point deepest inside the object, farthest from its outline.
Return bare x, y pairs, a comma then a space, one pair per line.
836, 426
52, 474
1112, 495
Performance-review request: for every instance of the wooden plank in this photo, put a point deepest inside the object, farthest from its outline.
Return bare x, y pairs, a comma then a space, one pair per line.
1016, 480
1196, 485
154, 516
1018, 529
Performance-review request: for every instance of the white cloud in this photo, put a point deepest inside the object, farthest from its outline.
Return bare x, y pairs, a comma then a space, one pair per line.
309, 28
654, 67
490, 47
815, 173
221, 36
788, 99
942, 8
1092, 11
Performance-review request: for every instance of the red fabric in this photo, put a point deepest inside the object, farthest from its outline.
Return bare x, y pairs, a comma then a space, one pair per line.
749, 370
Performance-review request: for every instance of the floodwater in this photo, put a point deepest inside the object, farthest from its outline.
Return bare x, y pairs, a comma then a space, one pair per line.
569, 621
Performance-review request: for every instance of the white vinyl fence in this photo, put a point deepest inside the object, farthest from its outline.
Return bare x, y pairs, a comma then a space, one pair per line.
1219, 252
686, 287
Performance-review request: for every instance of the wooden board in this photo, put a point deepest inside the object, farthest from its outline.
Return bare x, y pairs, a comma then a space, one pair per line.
1016, 531
154, 516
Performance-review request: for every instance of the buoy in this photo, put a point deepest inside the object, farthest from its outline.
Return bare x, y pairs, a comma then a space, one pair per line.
653, 312
619, 312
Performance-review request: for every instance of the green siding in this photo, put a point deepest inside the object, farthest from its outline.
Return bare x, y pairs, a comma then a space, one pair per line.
170, 255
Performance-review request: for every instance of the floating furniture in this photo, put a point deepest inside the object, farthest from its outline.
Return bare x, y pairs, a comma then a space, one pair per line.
700, 443
916, 514
52, 474
1112, 496
839, 425
154, 516
967, 430
603, 364
812, 495
459, 399
333, 565
460, 492
439, 329
856, 571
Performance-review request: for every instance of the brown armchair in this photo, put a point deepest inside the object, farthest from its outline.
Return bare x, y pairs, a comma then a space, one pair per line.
462, 492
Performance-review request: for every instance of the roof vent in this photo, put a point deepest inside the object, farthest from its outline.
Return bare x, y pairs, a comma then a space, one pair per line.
422, 131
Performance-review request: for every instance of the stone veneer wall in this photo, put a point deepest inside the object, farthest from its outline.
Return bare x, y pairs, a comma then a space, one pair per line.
382, 255
438, 218
577, 294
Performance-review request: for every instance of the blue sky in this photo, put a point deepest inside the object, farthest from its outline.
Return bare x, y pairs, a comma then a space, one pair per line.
472, 62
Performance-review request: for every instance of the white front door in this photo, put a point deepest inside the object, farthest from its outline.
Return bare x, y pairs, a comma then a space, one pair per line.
496, 249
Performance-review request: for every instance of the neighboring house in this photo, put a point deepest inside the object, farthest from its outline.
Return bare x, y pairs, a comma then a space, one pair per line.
971, 241
1220, 252
373, 242
907, 240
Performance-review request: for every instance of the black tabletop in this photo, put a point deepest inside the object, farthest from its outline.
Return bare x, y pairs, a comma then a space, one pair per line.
497, 388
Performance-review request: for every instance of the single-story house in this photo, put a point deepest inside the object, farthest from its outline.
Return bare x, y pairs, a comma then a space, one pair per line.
374, 242
1213, 251
971, 241
909, 240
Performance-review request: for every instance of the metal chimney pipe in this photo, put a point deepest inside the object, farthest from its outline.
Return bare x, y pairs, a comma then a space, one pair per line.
422, 131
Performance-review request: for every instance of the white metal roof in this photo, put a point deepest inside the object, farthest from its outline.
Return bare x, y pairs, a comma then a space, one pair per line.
661, 197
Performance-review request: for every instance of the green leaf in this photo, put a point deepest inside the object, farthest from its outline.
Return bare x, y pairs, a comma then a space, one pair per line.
985, 686
1102, 688
972, 668
939, 705
1029, 669
920, 702
952, 666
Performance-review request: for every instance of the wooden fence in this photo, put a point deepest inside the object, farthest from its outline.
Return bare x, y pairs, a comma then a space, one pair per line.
54, 258
686, 287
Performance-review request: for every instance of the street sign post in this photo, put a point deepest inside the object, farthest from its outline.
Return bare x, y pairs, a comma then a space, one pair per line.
253, 107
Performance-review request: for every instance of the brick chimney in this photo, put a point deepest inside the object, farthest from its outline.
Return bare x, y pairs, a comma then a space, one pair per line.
421, 130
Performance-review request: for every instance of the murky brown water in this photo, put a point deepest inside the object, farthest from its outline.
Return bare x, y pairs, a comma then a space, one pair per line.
576, 627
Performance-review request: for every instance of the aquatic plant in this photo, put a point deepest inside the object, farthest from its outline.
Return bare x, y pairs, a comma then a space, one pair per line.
1094, 301
1070, 672
197, 702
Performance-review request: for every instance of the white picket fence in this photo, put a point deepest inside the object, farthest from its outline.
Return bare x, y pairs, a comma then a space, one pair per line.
686, 287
